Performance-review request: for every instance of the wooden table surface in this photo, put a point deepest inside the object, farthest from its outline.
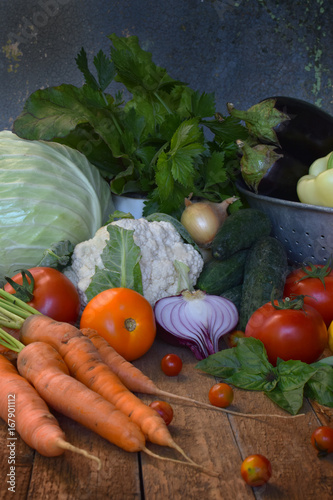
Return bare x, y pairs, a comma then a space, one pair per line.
214, 439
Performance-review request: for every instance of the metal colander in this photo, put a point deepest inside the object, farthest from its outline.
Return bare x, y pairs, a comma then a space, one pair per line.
306, 231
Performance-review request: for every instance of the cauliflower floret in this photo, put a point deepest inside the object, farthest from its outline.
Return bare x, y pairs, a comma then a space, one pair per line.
160, 245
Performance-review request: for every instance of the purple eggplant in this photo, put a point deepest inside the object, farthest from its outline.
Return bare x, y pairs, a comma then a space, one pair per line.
268, 170
300, 129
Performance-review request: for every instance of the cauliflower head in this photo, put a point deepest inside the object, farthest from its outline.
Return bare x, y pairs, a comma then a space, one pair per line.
160, 245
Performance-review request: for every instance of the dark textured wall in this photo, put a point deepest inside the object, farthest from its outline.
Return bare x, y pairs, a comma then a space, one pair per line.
242, 50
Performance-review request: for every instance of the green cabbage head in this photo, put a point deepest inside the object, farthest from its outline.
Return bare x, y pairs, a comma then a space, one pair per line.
48, 193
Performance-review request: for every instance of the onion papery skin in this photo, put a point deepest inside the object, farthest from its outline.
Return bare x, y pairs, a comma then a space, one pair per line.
195, 320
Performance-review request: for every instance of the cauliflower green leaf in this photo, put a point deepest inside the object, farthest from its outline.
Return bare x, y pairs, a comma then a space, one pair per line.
121, 259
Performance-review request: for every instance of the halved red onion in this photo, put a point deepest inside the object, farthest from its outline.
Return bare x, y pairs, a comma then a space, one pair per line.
196, 320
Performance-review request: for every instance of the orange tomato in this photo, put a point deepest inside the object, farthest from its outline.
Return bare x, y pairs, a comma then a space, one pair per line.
124, 318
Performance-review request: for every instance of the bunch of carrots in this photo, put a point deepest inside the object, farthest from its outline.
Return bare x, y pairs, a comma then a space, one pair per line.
77, 373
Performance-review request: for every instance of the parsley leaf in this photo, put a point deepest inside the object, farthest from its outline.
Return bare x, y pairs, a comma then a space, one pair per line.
155, 143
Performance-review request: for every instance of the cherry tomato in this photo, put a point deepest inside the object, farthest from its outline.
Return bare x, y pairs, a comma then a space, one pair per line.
221, 395
124, 318
256, 470
171, 365
234, 336
316, 293
53, 294
298, 334
322, 440
164, 409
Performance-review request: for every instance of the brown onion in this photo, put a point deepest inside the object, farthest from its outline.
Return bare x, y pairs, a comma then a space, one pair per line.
204, 218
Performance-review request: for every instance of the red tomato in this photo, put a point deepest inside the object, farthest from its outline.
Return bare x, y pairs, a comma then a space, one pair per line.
256, 470
164, 409
316, 294
299, 334
221, 395
171, 365
322, 440
124, 318
54, 295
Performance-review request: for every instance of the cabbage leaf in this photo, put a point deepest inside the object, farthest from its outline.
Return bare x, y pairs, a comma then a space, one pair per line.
48, 193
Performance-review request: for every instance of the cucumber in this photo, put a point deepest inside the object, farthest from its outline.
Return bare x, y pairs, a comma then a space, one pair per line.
240, 230
265, 271
218, 276
234, 294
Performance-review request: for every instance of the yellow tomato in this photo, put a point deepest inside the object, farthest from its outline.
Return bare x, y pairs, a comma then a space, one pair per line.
330, 336
124, 318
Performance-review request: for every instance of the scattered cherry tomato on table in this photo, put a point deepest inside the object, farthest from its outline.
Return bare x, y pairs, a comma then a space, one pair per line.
171, 365
256, 470
164, 409
221, 395
124, 318
322, 440
52, 293
289, 333
315, 282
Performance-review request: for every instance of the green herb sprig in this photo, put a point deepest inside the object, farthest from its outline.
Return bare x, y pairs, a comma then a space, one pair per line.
246, 366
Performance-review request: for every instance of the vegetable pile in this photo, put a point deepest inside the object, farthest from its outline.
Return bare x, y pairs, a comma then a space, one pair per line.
88, 289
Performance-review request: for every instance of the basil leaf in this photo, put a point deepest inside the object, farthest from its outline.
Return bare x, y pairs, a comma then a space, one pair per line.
290, 400
246, 366
320, 385
223, 364
121, 260
294, 374
289, 393
251, 352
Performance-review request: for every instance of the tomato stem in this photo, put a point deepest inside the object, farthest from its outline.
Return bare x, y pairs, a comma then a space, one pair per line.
130, 324
316, 272
293, 302
23, 292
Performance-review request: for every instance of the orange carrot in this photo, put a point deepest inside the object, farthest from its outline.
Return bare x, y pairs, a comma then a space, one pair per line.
43, 367
130, 376
86, 365
26, 412
136, 381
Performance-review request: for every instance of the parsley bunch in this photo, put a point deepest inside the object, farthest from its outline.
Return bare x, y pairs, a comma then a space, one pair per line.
165, 142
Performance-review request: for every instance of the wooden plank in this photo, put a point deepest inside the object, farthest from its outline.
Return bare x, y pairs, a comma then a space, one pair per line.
223, 442
74, 477
204, 434
23, 457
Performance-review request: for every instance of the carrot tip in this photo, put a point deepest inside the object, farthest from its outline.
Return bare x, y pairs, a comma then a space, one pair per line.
224, 410
68, 446
189, 462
